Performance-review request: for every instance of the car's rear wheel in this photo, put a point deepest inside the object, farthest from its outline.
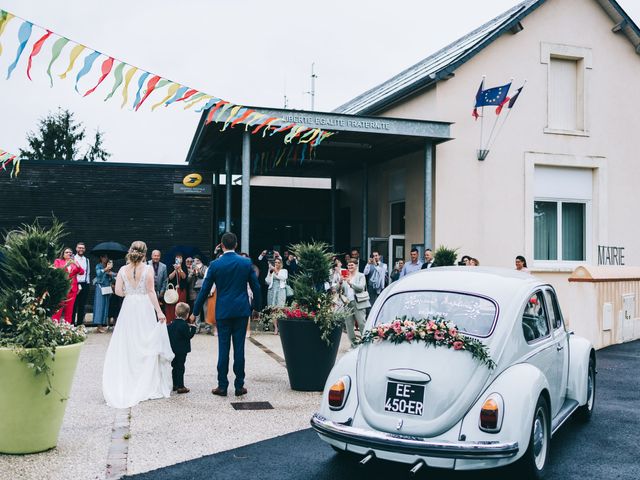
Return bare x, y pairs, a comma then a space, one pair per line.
584, 412
533, 462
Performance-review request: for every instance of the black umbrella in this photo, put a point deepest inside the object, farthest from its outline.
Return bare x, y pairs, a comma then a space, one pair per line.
112, 249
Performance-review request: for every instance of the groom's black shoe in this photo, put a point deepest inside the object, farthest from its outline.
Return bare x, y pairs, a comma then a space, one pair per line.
218, 391
241, 391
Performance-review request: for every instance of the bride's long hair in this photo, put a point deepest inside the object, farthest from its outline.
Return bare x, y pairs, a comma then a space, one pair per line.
137, 252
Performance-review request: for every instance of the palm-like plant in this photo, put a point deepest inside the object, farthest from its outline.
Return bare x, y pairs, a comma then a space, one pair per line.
445, 256
309, 292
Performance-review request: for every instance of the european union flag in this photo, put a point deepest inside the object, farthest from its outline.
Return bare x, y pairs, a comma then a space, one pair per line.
492, 96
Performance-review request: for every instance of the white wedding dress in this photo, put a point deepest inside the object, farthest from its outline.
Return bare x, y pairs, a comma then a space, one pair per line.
137, 366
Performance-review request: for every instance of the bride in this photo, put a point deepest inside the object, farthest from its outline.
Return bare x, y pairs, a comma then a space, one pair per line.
137, 366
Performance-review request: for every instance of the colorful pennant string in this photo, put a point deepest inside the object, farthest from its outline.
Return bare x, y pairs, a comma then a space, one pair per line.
6, 159
228, 114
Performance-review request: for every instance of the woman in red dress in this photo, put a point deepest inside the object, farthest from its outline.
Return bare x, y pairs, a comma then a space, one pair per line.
73, 269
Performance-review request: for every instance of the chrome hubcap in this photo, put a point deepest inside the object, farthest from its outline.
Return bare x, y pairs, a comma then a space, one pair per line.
540, 439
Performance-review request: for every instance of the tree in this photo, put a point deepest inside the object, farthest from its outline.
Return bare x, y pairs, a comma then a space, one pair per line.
59, 137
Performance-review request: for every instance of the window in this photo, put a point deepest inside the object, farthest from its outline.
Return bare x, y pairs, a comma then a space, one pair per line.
567, 98
563, 95
397, 218
473, 315
534, 319
561, 209
553, 309
571, 234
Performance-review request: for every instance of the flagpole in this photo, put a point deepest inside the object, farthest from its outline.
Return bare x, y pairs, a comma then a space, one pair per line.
507, 116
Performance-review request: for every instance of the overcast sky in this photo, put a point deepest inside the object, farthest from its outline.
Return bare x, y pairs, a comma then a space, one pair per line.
250, 52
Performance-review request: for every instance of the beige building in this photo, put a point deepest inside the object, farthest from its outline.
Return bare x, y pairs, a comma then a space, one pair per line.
560, 182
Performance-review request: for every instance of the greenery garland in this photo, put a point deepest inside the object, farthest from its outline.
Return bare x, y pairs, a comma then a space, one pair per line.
435, 331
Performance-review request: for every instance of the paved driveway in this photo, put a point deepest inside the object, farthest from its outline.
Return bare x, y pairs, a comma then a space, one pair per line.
606, 448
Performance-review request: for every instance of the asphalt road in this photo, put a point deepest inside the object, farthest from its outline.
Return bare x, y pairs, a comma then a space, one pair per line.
608, 447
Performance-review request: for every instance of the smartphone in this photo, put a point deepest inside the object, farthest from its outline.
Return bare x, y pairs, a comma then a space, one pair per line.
178, 261
344, 272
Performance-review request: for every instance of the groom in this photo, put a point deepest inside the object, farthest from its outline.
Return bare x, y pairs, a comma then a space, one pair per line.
231, 273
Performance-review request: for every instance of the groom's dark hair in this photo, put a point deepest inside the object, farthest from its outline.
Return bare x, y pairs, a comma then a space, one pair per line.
229, 241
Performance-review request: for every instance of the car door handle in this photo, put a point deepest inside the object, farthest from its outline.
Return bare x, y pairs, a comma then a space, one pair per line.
559, 347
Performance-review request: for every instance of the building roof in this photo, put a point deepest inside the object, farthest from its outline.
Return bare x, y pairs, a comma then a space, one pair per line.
442, 64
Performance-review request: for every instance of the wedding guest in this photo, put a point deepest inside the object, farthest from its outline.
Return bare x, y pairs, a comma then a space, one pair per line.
291, 263
178, 277
474, 262
73, 268
464, 261
397, 271
180, 333
414, 265
84, 282
354, 287
102, 296
521, 264
195, 277
159, 276
276, 281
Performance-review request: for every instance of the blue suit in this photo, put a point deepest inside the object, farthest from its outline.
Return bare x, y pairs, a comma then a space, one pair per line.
231, 273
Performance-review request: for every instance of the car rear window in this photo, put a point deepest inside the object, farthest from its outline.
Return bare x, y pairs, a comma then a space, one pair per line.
472, 314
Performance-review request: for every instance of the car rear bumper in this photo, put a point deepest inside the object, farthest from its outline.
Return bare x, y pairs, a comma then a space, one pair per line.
412, 445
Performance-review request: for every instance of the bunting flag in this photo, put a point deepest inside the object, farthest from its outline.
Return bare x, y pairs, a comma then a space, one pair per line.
23, 37
5, 17
7, 159
36, 50
56, 50
224, 113
107, 65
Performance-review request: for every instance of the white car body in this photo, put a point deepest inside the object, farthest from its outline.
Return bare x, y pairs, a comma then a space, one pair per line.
444, 431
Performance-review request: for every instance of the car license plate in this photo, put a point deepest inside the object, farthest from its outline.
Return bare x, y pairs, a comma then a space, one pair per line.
404, 398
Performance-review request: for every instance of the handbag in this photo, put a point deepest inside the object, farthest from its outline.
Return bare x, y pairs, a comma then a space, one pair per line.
171, 295
362, 297
106, 290
289, 291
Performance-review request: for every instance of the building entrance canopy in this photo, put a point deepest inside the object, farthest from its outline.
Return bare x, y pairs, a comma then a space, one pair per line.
358, 143
357, 140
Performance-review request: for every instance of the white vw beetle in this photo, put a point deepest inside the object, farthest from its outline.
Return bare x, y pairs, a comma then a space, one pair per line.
440, 406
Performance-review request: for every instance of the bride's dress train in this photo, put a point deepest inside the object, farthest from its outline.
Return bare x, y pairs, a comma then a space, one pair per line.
137, 366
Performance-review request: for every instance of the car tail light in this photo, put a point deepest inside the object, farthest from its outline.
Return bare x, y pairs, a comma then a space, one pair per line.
491, 413
338, 393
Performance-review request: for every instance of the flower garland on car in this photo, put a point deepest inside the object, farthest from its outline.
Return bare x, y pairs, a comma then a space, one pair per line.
432, 331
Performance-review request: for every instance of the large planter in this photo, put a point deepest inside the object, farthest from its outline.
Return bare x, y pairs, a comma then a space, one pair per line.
309, 359
30, 420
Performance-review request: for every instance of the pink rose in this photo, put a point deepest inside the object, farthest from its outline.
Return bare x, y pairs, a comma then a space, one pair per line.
438, 335
397, 328
453, 332
458, 345
381, 331
409, 336
298, 314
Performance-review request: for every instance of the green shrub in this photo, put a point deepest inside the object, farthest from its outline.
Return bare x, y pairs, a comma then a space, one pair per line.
445, 257
31, 291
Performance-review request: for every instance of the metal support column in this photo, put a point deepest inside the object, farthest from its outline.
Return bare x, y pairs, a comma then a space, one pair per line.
333, 212
428, 195
227, 203
216, 207
364, 254
246, 189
